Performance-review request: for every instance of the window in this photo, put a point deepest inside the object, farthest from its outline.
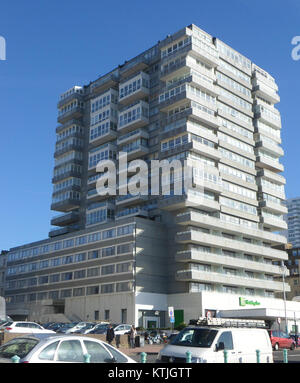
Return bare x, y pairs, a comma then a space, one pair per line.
96, 315
226, 339
78, 292
118, 356
106, 314
98, 353
70, 351
107, 288
49, 352
109, 269
123, 315
79, 274
54, 278
93, 272
93, 254
90, 290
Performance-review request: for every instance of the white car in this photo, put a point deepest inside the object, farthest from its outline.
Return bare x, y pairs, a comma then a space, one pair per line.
26, 327
122, 329
40, 348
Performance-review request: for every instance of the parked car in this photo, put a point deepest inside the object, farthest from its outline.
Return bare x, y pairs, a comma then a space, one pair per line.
121, 329
56, 326
99, 329
84, 329
66, 327
26, 327
280, 339
207, 345
60, 349
298, 339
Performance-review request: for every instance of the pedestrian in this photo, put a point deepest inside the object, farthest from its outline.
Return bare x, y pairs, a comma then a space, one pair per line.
110, 334
132, 336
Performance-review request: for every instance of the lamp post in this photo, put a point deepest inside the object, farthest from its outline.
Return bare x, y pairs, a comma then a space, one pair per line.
283, 268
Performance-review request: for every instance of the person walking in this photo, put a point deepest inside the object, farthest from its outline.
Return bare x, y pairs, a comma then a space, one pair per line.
132, 336
110, 334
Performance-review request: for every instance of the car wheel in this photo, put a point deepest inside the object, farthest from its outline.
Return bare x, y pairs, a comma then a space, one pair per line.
293, 346
276, 347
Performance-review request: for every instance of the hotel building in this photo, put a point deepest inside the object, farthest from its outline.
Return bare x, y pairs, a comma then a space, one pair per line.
127, 258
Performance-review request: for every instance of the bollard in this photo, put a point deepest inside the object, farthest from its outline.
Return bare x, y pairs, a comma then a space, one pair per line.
188, 357
225, 356
15, 359
257, 356
87, 358
285, 355
143, 357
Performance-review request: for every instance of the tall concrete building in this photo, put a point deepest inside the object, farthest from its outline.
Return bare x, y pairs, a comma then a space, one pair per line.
293, 221
129, 257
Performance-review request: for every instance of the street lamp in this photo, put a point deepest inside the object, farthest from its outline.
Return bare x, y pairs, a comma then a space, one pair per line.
284, 269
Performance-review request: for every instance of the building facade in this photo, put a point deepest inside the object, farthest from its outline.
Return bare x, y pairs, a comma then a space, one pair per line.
190, 98
293, 221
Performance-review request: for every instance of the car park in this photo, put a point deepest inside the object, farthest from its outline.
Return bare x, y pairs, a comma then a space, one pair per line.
25, 327
208, 341
280, 339
61, 349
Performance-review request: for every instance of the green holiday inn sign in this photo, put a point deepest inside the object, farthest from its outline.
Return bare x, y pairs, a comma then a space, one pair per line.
246, 302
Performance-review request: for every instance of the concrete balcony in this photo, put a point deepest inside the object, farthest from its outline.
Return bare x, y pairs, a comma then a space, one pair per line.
74, 96
104, 83
205, 117
233, 280
211, 59
127, 98
276, 193
132, 136
273, 166
109, 135
65, 219
93, 196
68, 148
129, 200
276, 150
205, 150
196, 256
177, 202
126, 213
74, 113
200, 238
260, 129
273, 207
193, 218
138, 151
264, 91
273, 223
271, 176
66, 205
135, 121
261, 113
64, 230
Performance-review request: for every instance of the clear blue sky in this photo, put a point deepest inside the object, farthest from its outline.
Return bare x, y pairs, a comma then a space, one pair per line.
53, 45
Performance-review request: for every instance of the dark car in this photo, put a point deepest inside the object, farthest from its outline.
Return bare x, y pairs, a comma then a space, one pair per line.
100, 329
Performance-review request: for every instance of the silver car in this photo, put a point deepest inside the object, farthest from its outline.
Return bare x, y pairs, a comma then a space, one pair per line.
42, 348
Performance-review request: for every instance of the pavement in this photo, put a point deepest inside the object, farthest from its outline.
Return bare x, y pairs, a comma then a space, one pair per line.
149, 349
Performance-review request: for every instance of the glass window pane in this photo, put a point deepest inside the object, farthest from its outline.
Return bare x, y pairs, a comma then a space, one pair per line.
98, 353
70, 351
48, 352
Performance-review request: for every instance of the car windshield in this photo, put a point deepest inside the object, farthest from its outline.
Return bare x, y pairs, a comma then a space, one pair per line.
194, 337
17, 346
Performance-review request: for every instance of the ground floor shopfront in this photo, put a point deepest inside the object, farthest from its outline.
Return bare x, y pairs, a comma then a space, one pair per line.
150, 310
